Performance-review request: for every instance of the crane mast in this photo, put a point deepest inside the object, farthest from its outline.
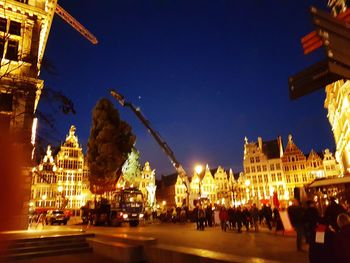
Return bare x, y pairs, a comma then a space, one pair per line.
120, 98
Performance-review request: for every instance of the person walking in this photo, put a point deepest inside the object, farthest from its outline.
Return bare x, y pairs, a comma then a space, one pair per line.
231, 216
223, 215
310, 220
296, 215
254, 211
201, 217
267, 213
342, 239
209, 215
332, 212
246, 218
239, 218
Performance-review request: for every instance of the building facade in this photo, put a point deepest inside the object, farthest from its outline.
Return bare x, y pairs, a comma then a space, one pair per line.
62, 183
263, 170
337, 103
24, 30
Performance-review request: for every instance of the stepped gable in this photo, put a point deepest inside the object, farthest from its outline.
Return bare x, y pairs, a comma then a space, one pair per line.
292, 149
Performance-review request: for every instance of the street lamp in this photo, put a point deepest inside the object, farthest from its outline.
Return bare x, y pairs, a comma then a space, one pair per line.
198, 168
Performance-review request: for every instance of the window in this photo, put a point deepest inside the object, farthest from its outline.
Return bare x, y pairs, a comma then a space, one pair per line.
296, 179
257, 159
15, 28
258, 168
272, 167
3, 24
273, 177
304, 178
247, 170
12, 50
278, 166
264, 168
252, 159
6, 102
254, 179
279, 177
288, 178
253, 169
260, 178
266, 178
23, 1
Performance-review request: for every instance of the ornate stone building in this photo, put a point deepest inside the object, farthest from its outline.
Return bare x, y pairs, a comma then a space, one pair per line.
262, 166
338, 105
67, 186
295, 167
330, 165
222, 185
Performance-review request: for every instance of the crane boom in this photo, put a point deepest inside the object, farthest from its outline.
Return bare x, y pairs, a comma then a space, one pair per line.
75, 24
120, 98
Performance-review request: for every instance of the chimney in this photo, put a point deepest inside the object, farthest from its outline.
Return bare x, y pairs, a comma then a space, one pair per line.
260, 143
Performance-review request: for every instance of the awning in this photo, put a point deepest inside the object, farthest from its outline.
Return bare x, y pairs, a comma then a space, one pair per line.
331, 181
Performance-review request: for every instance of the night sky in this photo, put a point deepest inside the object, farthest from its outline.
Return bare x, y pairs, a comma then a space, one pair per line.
205, 73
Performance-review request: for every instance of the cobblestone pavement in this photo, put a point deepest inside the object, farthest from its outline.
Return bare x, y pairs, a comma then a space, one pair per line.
264, 244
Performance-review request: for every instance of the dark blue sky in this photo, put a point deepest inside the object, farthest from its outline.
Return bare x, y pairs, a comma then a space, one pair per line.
205, 73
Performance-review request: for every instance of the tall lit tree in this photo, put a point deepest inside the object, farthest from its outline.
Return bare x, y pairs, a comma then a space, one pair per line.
132, 167
110, 142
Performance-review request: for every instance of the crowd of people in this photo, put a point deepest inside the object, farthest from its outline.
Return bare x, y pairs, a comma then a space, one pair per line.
328, 235
237, 218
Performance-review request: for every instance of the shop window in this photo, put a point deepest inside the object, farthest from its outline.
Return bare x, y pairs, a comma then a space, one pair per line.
12, 50
15, 28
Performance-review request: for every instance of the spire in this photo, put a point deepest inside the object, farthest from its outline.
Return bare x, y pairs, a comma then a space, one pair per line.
245, 140
290, 138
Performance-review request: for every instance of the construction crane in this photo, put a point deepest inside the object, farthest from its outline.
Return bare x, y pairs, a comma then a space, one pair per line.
75, 24
178, 167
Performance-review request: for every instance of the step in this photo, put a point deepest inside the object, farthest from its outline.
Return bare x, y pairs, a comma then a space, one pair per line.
49, 253
13, 244
117, 251
174, 254
45, 247
130, 239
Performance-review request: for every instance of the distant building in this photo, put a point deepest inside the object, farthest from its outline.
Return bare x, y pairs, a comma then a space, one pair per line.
62, 182
262, 167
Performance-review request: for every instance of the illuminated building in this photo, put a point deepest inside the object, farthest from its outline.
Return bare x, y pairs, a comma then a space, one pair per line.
269, 168
262, 166
295, 167
222, 185
67, 186
147, 184
44, 183
24, 29
330, 165
337, 103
